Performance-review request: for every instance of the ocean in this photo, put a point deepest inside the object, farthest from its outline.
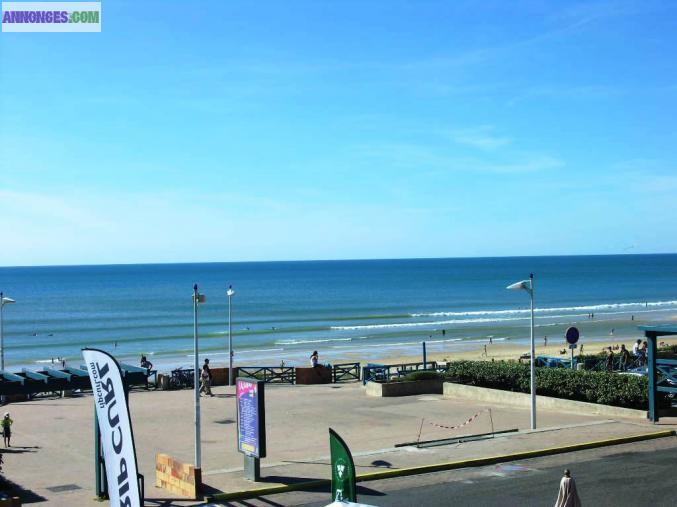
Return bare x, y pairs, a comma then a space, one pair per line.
285, 310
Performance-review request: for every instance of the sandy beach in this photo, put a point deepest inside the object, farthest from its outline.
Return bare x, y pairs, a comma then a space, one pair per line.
502, 351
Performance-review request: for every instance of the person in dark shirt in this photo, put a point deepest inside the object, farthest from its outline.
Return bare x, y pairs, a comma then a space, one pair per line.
145, 363
206, 379
625, 358
610, 360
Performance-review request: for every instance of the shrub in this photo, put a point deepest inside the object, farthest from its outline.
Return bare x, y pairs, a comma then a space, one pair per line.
629, 391
667, 352
423, 375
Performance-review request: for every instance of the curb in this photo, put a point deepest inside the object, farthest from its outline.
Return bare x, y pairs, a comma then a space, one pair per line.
439, 467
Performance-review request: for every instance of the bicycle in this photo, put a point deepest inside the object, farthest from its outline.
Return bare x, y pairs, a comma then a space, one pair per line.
181, 379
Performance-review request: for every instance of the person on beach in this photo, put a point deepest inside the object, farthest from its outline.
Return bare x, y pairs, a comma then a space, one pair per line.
568, 495
625, 357
545, 341
314, 359
610, 359
635, 348
7, 429
206, 379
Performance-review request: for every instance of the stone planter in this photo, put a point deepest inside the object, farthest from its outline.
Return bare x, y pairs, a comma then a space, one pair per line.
407, 388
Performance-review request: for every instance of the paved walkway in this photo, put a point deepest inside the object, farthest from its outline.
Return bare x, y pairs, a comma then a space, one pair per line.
54, 437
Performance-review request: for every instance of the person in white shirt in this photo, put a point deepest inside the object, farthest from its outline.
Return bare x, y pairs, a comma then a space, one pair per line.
635, 348
568, 495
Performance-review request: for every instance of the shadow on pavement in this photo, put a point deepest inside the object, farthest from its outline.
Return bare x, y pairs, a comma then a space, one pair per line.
26, 495
18, 450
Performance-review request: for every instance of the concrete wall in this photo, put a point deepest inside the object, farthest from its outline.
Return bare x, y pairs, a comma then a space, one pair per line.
408, 388
318, 375
486, 395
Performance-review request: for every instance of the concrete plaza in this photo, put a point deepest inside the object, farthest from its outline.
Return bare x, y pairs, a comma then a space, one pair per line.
52, 453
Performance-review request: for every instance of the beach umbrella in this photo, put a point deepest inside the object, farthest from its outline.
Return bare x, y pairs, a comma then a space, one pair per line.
528, 286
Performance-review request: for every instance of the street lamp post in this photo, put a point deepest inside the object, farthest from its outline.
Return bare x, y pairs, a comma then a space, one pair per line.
230, 293
3, 301
197, 299
528, 285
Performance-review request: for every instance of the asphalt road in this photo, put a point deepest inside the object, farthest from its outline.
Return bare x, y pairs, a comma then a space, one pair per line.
639, 474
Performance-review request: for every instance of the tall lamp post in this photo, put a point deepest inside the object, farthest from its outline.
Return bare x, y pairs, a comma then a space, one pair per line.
197, 299
230, 293
528, 285
3, 301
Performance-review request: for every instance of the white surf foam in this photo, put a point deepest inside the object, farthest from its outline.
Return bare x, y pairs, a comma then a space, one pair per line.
422, 324
301, 342
585, 308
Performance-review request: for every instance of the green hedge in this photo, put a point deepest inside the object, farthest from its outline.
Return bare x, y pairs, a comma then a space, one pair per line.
629, 391
423, 375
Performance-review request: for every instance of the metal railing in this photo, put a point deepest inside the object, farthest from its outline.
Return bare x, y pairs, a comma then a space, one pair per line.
270, 374
345, 372
384, 372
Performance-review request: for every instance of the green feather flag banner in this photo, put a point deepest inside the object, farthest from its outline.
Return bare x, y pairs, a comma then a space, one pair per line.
343, 486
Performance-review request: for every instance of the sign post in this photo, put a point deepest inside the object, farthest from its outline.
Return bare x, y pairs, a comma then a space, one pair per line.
251, 425
343, 483
572, 336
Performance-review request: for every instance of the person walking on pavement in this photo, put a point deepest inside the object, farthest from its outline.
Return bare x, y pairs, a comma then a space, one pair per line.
568, 495
7, 429
206, 379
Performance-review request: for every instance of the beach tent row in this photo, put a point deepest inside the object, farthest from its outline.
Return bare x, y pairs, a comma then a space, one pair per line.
66, 379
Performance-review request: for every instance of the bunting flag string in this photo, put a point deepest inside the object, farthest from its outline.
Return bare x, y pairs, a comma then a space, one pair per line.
465, 423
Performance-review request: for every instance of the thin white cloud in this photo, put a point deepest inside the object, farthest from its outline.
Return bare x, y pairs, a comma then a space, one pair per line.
482, 137
436, 160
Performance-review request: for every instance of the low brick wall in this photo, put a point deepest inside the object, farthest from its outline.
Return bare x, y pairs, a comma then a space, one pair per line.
407, 388
318, 375
220, 376
486, 395
176, 477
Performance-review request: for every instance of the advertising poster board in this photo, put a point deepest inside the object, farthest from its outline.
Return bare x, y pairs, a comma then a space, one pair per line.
251, 417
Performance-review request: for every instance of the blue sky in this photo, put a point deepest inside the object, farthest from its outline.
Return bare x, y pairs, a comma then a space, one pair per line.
221, 131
